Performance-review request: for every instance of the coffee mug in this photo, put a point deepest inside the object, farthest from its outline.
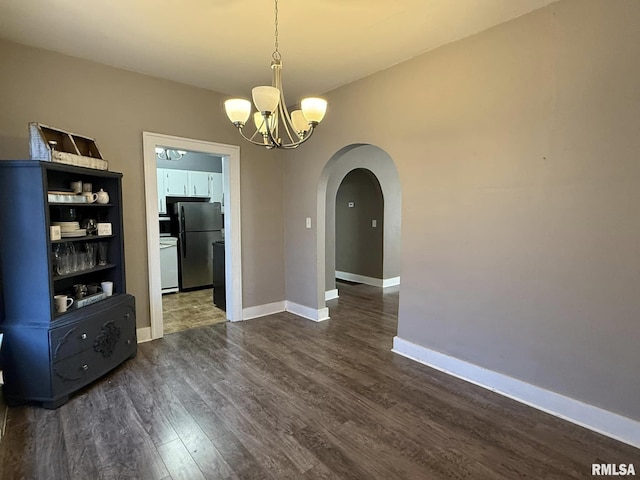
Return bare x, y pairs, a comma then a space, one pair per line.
62, 303
80, 291
93, 289
76, 186
107, 287
87, 187
91, 197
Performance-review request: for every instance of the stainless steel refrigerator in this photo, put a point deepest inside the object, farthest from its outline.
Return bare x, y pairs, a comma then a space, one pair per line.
199, 225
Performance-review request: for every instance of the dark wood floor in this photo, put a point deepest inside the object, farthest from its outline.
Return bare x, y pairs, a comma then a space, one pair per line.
285, 398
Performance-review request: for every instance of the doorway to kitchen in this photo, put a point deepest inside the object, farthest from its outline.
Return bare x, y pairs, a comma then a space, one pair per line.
200, 194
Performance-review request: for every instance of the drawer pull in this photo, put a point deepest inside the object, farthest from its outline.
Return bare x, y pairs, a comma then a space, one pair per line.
83, 336
127, 315
85, 367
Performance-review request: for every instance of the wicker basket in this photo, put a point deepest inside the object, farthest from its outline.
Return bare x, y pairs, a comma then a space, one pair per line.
54, 145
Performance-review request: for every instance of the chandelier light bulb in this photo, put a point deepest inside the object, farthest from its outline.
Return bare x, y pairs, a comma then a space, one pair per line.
299, 121
260, 123
266, 98
314, 109
238, 110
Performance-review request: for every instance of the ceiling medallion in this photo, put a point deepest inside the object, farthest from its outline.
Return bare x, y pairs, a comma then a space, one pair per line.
273, 123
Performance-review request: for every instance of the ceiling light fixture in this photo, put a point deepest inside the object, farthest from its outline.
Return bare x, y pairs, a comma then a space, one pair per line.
167, 154
273, 123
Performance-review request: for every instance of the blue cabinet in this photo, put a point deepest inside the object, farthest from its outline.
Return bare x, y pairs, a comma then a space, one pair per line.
47, 354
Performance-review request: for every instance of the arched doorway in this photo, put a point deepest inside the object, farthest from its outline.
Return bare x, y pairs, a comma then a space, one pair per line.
380, 164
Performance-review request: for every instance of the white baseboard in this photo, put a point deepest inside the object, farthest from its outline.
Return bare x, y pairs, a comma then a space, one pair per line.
286, 306
602, 421
263, 310
143, 334
318, 315
375, 282
331, 294
390, 282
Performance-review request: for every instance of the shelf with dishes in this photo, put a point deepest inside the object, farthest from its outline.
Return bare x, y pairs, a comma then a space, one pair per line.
85, 238
80, 204
84, 271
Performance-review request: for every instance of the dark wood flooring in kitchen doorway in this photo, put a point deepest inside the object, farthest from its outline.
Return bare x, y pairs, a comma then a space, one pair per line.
281, 397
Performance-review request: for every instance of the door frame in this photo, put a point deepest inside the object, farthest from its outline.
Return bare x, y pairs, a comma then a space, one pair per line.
231, 186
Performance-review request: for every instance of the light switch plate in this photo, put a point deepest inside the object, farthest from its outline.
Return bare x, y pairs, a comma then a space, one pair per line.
308, 222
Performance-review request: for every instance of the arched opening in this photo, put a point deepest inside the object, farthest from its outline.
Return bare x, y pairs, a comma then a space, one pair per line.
380, 165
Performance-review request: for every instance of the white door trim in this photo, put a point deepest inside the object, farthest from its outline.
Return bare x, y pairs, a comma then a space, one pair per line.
231, 184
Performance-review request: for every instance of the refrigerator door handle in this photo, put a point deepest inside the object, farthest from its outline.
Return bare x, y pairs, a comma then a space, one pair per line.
183, 236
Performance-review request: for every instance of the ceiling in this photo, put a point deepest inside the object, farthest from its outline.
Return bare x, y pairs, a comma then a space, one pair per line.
226, 45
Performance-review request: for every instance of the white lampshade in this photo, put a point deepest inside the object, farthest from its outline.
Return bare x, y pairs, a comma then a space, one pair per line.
300, 123
261, 125
314, 109
238, 110
266, 98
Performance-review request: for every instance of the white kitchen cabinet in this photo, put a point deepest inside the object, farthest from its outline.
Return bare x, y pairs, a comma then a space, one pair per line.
215, 182
199, 185
176, 182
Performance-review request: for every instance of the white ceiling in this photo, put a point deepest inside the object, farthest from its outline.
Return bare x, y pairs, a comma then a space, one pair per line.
226, 45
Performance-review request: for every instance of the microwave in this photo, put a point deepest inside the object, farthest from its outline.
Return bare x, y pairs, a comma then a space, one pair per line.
165, 226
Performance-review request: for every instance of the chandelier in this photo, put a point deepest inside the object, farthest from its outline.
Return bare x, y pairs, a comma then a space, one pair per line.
273, 123
167, 154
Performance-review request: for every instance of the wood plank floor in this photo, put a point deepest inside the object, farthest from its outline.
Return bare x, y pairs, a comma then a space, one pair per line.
285, 398
184, 310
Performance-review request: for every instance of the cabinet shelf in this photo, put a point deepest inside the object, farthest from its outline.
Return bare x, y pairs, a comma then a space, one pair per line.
79, 204
75, 312
79, 273
87, 238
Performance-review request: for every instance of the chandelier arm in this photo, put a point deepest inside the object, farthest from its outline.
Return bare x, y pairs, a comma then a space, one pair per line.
272, 140
288, 124
291, 146
250, 139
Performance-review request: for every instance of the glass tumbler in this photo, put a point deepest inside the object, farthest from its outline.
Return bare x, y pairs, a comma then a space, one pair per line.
102, 253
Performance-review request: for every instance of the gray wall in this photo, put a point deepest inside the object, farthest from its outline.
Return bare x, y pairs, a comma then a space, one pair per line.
517, 151
114, 107
358, 243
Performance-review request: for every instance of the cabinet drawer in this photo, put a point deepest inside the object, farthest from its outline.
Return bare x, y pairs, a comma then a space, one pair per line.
100, 332
79, 370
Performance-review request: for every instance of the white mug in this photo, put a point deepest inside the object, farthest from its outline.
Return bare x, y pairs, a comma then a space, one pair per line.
107, 287
91, 197
62, 303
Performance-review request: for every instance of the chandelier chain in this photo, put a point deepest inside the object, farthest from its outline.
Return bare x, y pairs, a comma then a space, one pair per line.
276, 54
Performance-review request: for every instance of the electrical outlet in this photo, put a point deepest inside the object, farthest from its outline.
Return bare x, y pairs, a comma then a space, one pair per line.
308, 222
374, 223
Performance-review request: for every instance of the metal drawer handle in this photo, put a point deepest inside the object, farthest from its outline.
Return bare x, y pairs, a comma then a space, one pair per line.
85, 367
127, 315
83, 336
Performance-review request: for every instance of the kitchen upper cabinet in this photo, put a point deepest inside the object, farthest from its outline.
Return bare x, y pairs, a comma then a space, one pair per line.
215, 180
176, 182
187, 183
199, 184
